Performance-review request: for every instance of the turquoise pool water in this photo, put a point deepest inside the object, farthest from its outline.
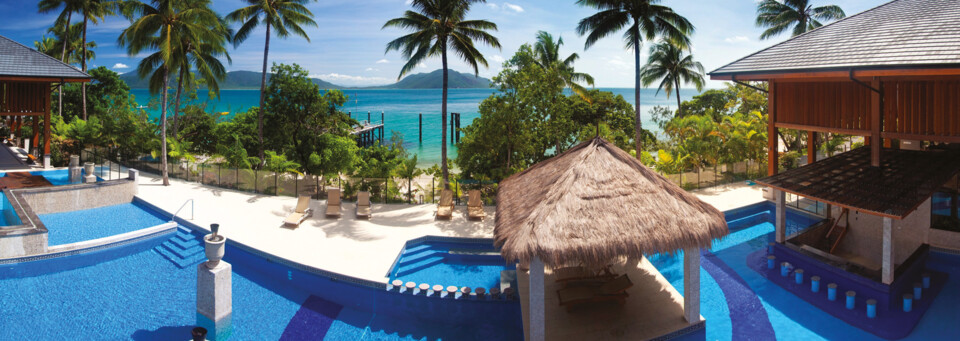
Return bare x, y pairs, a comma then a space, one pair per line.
146, 291
78, 226
739, 304
8, 217
57, 177
474, 265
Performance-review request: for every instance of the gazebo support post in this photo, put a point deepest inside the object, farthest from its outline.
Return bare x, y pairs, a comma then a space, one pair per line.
781, 228
537, 320
691, 284
887, 256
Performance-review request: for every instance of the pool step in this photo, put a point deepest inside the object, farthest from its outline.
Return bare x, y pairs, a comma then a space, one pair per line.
183, 249
407, 268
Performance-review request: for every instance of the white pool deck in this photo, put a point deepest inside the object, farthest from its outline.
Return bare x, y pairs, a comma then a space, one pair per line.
354, 247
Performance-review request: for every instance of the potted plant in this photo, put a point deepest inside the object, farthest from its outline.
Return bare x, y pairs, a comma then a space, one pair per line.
214, 245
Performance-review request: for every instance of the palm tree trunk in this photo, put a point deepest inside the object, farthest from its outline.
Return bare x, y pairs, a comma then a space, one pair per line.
163, 128
679, 109
639, 126
443, 121
263, 85
83, 61
176, 101
63, 58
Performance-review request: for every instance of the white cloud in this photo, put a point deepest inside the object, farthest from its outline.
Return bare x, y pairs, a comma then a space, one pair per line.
497, 58
341, 79
408, 2
515, 8
737, 39
372, 69
120, 66
383, 61
493, 5
422, 65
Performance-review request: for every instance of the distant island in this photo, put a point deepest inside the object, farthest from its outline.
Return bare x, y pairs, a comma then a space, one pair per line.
245, 80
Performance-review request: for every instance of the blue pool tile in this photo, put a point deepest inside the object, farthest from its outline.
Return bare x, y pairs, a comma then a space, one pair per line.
748, 317
312, 321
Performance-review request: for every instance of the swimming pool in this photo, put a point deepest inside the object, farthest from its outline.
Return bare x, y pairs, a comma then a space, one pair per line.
147, 290
57, 177
472, 264
78, 226
738, 303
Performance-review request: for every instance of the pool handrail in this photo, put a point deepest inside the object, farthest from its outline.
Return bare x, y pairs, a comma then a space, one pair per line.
174, 216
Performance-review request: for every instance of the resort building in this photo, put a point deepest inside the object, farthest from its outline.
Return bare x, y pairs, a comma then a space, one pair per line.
894, 80
27, 78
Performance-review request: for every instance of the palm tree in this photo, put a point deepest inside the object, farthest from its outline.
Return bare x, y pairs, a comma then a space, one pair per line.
668, 64
283, 16
93, 11
53, 46
164, 26
439, 27
779, 15
203, 56
643, 19
547, 53
69, 7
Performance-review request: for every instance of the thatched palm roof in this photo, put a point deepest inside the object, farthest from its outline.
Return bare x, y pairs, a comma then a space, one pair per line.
595, 203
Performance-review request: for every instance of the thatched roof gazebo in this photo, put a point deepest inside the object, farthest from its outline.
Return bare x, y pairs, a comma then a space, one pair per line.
595, 204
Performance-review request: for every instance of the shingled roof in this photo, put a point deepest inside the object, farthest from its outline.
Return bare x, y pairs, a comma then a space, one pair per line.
17, 60
911, 33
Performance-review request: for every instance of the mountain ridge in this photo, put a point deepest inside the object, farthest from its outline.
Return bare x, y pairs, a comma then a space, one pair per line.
245, 80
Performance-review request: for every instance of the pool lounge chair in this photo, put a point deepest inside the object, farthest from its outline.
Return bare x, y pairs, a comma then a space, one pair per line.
614, 290
475, 205
445, 207
300, 213
363, 205
573, 274
333, 202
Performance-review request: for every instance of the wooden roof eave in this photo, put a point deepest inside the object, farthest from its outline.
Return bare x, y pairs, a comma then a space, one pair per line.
836, 73
43, 79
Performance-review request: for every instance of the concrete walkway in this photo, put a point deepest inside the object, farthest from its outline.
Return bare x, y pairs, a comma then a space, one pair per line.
359, 248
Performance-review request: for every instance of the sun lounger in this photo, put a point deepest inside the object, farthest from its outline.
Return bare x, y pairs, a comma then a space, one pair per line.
300, 213
614, 290
333, 202
475, 205
363, 204
445, 207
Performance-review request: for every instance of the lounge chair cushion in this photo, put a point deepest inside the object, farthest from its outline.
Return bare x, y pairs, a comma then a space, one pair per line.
476, 212
333, 202
444, 211
363, 211
333, 209
303, 203
293, 219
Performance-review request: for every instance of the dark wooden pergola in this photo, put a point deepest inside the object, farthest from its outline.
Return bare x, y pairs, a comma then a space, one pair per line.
904, 180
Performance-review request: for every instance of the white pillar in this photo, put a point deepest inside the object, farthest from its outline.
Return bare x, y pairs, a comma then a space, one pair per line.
537, 321
781, 214
887, 251
691, 284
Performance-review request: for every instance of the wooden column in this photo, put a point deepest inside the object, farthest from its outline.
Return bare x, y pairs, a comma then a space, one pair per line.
46, 131
772, 147
811, 147
876, 123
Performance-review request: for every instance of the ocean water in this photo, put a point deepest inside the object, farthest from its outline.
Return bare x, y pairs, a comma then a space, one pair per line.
401, 110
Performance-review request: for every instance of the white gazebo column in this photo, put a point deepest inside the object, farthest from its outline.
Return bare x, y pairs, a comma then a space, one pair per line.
537, 321
887, 256
781, 214
691, 284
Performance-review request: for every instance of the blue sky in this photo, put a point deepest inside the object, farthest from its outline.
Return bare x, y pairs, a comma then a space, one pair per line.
347, 47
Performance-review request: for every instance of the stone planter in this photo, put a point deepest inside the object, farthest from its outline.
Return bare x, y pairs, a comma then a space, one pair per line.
214, 246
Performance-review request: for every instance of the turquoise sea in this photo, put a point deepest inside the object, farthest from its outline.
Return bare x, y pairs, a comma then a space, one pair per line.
401, 110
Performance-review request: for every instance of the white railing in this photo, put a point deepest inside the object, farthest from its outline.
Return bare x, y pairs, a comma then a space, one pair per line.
174, 216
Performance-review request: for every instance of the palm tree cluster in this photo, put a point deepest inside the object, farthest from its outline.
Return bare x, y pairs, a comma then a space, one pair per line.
186, 39
439, 27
